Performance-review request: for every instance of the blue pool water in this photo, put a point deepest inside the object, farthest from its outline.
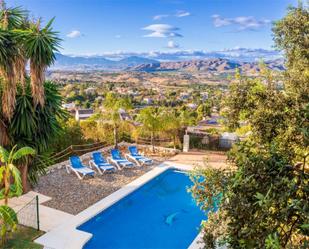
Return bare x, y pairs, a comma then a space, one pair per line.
160, 214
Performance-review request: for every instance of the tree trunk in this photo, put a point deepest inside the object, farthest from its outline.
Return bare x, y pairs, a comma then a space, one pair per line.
174, 141
152, 141
24, 178
115, 137
6, 187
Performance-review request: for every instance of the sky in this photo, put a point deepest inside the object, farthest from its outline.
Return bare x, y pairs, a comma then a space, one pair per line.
109, 26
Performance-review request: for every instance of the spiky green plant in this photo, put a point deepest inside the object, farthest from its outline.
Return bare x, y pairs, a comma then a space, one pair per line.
9, 171
40, 46
9, 221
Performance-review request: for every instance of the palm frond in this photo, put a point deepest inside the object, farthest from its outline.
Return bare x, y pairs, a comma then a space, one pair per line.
11, 18
4, 155
17, 180
25, 151
8, 215
40, 47
8, 53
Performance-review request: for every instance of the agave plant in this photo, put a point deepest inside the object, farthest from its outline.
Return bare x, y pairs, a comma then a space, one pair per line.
9, 171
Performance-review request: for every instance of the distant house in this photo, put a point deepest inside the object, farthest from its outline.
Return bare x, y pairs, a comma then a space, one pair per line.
184, 96
82, 114
99, 99
204, 96
69, 106
148, 101
211, 122
133, 93
124, 115
90, 91
192, 106
227, 140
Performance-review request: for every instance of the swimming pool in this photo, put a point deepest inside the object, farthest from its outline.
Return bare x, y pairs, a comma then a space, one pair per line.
160, 214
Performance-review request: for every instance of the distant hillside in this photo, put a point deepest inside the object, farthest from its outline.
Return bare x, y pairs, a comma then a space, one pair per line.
97, 62
206, 65
142, 64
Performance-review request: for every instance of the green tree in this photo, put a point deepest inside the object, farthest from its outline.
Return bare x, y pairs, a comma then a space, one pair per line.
203, 110
112, 107
172, 124
37, 127
25, 118
22, 40
264, 200
151, 119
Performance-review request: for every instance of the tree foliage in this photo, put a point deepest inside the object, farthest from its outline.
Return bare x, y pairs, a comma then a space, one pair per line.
264, 200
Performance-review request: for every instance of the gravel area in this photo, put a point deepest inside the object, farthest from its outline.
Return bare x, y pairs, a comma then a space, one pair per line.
72, 195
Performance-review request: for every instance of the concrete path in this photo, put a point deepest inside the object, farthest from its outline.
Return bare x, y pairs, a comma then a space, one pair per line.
49, 217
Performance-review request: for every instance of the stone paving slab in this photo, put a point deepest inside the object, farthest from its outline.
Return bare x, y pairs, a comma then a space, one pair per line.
49, 217
215, 159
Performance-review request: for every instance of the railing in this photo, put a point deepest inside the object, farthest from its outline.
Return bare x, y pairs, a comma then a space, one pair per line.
76, 149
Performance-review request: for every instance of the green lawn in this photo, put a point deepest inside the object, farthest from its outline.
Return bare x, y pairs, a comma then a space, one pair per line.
23, 239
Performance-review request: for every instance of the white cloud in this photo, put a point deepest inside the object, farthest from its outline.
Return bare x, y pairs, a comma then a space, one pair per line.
118, 36
159, 17
242, 22
179, 13
172, 45
74, 34
162, 31
182, 13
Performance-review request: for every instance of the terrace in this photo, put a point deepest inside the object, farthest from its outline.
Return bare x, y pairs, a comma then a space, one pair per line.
63, 197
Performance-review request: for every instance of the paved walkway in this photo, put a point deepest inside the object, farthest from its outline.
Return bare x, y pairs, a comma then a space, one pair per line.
215, 159
49, 217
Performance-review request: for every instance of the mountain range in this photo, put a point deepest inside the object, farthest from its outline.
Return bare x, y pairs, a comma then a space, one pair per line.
97, 62
217, 61
218, 65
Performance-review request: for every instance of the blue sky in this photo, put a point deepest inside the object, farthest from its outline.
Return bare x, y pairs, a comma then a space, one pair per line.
100, 26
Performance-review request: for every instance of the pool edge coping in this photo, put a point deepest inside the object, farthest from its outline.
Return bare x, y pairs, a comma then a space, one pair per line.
67, 236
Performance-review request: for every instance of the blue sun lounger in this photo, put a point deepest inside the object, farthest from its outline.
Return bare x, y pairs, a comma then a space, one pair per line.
119, 161
99, 162
138, 158
78, 168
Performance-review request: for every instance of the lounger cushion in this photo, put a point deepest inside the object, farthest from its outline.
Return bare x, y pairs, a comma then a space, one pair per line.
85, 171
106, 166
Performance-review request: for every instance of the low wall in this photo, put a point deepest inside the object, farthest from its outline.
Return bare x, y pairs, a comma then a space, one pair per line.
87, 156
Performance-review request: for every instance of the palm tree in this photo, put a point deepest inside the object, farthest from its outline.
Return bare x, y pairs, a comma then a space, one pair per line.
172, 124
8, 170
20, 41
23, 120
10, 18
151, 119
112, 106
36, 127
40, 46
